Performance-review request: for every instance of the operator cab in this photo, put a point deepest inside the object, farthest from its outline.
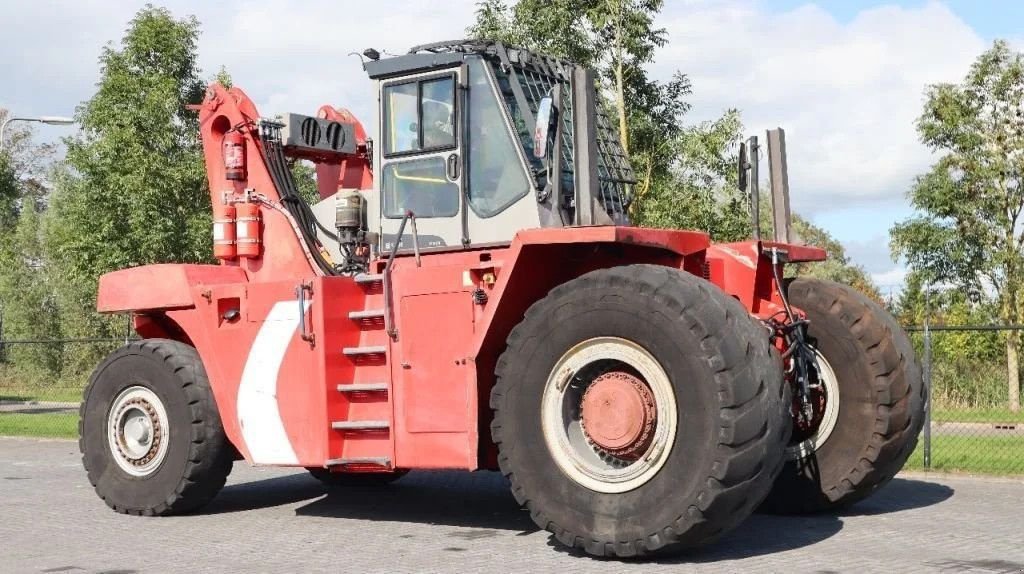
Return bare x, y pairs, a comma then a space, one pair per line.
456, 147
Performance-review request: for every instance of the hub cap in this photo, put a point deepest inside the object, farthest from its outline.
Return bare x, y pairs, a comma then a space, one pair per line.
618, 414
137, 431
825, 400
609, 414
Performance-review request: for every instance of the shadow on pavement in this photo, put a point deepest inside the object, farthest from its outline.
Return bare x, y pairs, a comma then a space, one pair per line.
900, 494
758, 535
482, 500
266, 493
453, 498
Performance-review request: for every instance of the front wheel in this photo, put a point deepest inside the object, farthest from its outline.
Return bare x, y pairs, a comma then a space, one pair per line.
639, 410
150, 433
869, 402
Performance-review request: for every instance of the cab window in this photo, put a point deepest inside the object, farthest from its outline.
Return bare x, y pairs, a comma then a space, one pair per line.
419, 116
420, 186
497, 178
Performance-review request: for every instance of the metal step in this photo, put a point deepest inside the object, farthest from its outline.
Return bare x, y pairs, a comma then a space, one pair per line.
369, 278
367, 314
363, 388
360, 425
370, 350
374, 460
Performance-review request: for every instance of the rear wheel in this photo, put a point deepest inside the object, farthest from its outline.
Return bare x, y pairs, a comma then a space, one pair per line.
638, 410
869, 406
150, 434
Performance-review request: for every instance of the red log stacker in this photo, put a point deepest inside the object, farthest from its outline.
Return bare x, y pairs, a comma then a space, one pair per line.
469, 294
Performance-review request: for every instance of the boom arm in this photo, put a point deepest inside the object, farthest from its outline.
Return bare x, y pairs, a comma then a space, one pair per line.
285, 252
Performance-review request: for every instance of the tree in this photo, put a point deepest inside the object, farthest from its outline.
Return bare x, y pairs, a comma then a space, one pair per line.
26, 301
967, 230
134, 190
617, 38
696, 185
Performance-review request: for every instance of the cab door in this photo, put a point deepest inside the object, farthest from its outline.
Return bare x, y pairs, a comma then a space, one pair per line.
421, 159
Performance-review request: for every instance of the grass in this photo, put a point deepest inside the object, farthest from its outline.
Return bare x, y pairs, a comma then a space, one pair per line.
1002, 455
49, 425
977, 415
60, 395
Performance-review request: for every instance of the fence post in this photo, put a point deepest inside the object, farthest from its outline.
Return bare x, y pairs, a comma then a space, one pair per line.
927, 392
3, 351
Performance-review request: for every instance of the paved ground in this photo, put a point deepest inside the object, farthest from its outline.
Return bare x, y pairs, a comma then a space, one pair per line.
269, 520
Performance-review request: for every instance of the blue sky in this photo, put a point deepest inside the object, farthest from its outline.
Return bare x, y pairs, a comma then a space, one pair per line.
862, 227
990, 18
844, 78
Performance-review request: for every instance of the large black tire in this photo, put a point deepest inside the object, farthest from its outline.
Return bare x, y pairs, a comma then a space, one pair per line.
198, 455
363, 479
728, 388
881, 401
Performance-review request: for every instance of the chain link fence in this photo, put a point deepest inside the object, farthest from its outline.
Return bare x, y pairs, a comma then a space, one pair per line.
974, 422
972, 426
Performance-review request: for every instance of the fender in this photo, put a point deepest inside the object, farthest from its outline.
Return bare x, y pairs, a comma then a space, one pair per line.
744, 271
537, 261
160, 287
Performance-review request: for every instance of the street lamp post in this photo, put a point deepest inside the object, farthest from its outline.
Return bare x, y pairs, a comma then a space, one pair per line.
49, 120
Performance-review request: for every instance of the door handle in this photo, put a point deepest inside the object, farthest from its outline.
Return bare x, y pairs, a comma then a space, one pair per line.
453, 166
300, 294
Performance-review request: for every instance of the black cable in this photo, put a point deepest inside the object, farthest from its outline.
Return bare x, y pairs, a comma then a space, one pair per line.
273, 157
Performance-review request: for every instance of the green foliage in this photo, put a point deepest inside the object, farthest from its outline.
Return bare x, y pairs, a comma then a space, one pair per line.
304, 175
134, 190
697, 187
10, 194
967, 228
27, 307
683, 171
29, 310
967, 231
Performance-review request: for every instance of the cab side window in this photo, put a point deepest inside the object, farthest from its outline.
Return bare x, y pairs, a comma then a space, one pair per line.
496, 176
420, 186
419, 116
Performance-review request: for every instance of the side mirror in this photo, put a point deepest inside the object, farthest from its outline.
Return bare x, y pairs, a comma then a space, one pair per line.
742, 166
543, 128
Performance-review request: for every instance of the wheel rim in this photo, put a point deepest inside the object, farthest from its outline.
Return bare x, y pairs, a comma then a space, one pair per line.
137, 431
609, 414
830, 416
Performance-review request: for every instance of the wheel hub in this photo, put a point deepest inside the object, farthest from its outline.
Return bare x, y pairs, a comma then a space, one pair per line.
137, 431
619, 414
609, 414
810, 434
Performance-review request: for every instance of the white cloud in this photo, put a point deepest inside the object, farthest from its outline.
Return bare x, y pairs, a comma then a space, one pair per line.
846, 93
287, 55
890, 280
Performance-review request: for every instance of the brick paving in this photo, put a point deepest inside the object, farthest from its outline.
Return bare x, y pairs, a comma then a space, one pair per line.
276, 520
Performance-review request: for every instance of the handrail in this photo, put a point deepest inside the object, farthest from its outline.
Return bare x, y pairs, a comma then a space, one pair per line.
389, 320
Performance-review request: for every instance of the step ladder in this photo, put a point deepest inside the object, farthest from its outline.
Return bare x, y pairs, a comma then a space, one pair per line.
361, 408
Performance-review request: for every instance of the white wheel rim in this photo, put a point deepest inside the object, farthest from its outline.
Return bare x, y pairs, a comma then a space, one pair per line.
138, 431
575, 455
828, 379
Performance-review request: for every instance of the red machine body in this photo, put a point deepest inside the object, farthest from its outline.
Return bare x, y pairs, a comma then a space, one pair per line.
327, 383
